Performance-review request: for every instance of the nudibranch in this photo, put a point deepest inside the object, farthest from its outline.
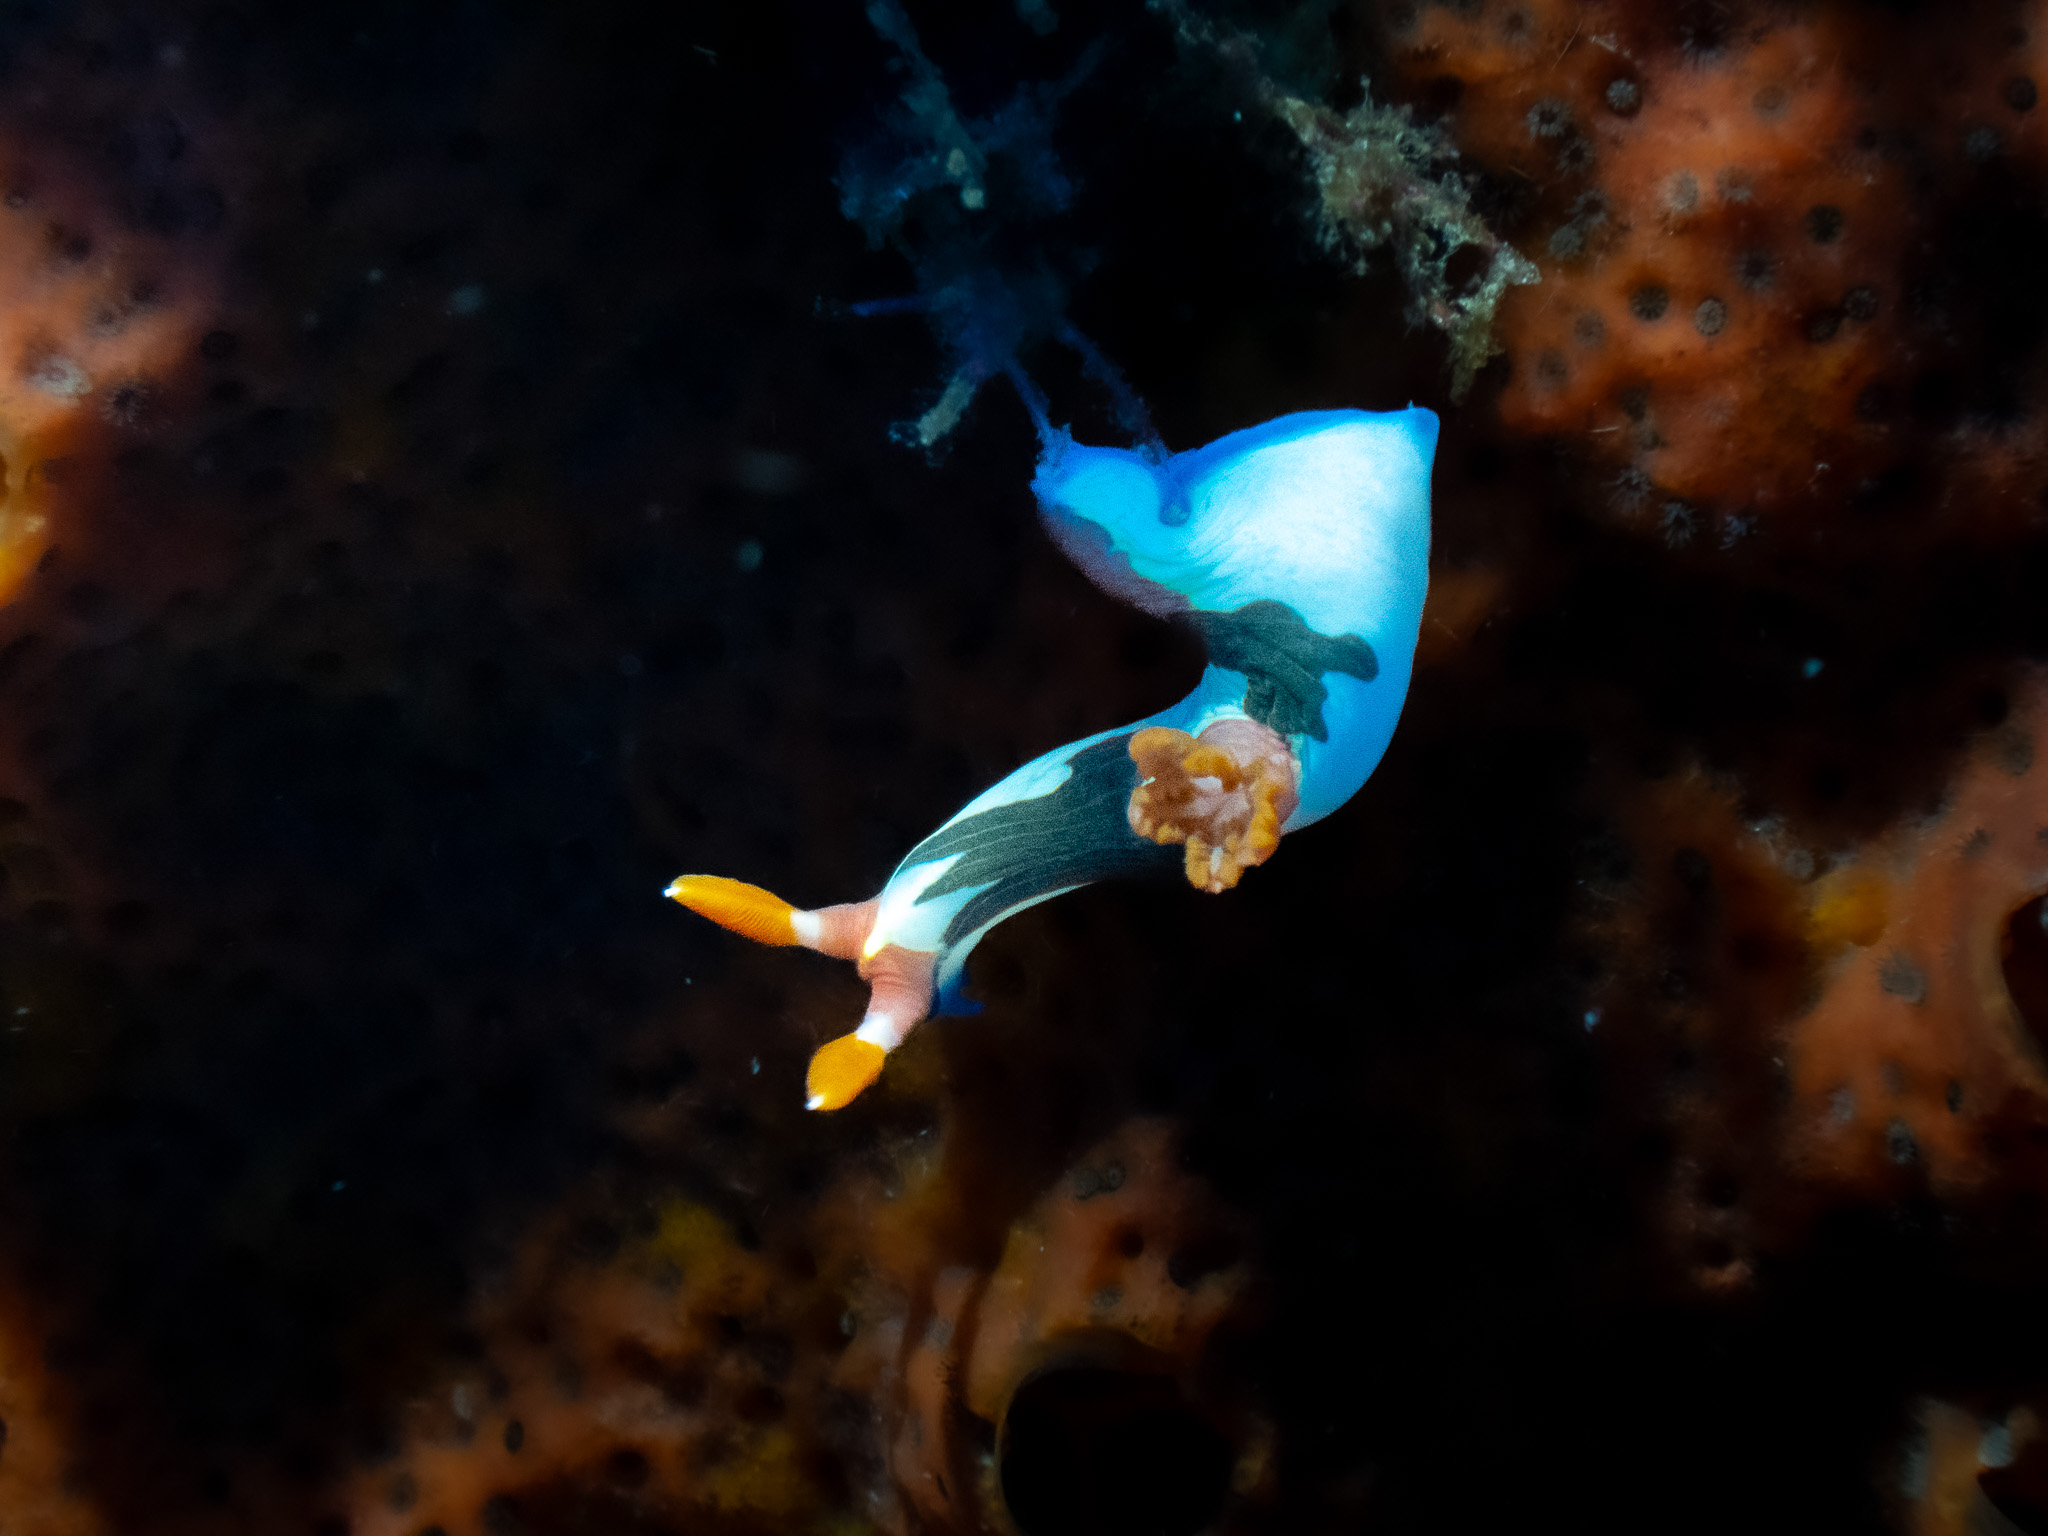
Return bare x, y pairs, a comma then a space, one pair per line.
1299, 552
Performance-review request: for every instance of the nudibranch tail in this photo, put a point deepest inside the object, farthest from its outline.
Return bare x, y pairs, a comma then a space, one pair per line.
1223, 796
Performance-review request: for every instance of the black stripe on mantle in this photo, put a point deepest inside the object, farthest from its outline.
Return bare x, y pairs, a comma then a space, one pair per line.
1078, 834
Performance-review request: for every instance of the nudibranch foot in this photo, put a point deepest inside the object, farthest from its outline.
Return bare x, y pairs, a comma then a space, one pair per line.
1223, 796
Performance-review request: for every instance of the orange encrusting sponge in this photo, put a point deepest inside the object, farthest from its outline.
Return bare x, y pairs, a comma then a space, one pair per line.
746, 909
840, 1070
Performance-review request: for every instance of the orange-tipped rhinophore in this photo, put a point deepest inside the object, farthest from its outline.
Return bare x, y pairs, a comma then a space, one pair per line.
746, 909
840, 1070
901, 980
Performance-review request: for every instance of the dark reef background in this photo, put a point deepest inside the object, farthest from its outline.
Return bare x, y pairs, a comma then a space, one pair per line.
511, 520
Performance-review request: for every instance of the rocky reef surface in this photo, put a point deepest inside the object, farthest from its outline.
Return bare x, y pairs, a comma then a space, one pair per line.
454, 475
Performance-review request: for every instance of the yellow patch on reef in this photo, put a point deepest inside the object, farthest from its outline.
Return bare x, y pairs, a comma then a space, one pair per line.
695, 1240
1849, 907
1225, 813
746, 909
762, 1475
689, 1236
840, 1070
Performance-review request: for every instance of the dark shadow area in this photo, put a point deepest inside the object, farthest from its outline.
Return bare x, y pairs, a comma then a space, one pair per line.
1093, 1450
2026, 966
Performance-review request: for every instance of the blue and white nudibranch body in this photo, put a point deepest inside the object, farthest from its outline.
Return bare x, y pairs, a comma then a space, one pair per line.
1299, 550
